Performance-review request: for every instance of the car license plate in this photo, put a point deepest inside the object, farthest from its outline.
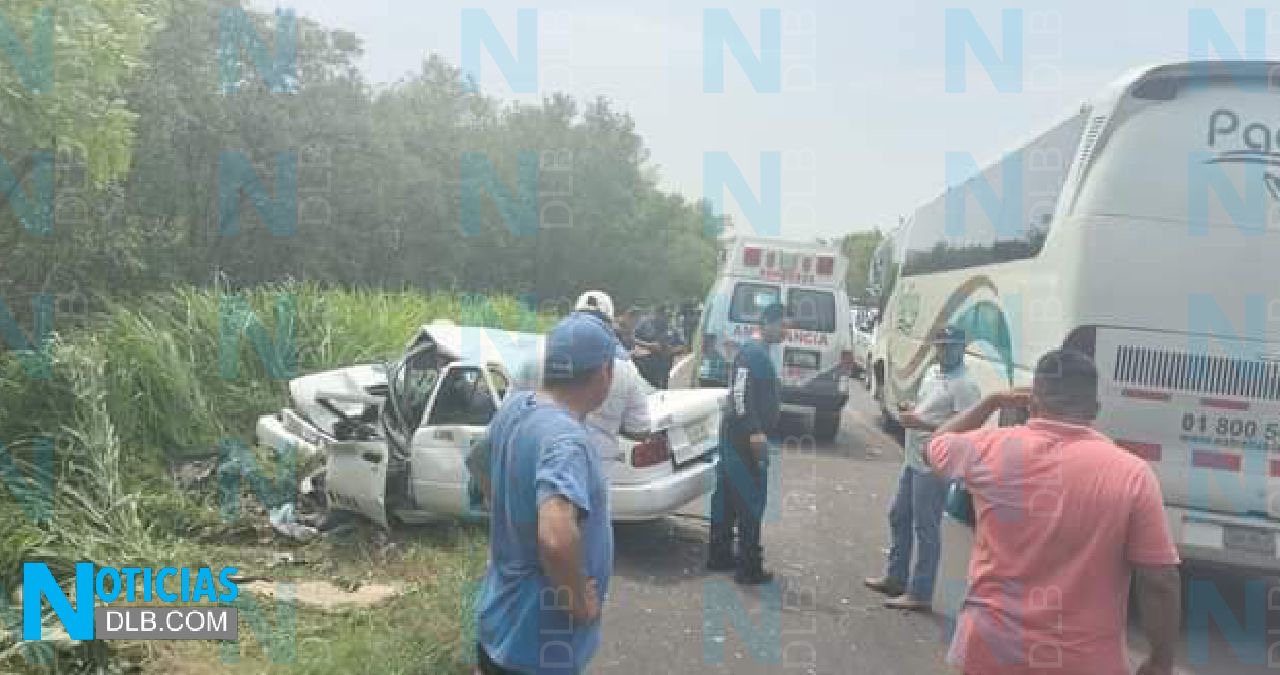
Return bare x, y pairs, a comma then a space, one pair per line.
1250, 540
697, 433
696, 436
802, 359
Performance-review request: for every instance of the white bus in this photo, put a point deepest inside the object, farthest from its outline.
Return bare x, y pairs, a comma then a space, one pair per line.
1144, 229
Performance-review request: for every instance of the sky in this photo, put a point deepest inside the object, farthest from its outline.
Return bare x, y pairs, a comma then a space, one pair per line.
856, 130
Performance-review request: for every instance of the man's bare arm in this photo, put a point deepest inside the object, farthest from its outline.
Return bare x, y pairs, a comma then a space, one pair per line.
1159, 608
910, 420
559, 549
976, 415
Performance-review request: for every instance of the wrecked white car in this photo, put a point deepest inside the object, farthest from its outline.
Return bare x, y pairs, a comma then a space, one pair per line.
396, 436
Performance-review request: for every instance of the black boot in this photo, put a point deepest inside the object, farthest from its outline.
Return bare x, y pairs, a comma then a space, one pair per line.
754, 575
751, 571
721, 562
720, 557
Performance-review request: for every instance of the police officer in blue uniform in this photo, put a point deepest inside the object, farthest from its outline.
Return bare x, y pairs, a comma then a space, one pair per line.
741, 476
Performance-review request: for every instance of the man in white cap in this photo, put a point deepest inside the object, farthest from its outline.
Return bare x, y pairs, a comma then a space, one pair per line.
626, 409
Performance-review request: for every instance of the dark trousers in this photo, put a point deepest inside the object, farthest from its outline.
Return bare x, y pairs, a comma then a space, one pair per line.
739, 500
486, 664
656, 370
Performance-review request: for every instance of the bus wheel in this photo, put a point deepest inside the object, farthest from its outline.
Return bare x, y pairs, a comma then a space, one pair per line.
826, 424
887, 421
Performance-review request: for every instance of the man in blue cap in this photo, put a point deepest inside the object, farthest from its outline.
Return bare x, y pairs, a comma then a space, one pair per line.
742, 474
916, 514
550, 539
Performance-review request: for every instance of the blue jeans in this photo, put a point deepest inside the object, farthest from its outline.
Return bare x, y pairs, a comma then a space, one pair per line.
916, 517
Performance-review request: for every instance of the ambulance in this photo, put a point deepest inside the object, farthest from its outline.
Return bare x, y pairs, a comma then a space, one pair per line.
815, 360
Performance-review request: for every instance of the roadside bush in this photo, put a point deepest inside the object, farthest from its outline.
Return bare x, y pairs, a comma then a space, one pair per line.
91, 427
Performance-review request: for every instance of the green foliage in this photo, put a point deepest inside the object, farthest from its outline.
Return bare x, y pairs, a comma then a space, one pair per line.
379, 179
64, 91
859, 247
140, 386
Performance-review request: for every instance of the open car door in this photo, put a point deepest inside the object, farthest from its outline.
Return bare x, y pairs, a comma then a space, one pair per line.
371, 476
465, 400
357, 478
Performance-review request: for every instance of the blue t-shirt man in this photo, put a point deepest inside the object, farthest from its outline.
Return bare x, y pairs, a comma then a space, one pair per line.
540, 450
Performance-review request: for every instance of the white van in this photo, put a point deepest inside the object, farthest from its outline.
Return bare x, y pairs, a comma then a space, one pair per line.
816, 359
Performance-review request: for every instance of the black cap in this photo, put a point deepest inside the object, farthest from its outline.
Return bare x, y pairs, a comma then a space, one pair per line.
1066, 382
952, 334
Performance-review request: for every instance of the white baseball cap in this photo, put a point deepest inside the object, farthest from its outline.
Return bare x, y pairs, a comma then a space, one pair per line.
595, 301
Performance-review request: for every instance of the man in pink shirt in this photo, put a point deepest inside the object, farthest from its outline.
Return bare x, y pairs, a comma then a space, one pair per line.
1064, 518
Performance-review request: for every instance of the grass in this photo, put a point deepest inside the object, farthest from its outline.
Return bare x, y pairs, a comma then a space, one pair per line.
425, 630
91, 427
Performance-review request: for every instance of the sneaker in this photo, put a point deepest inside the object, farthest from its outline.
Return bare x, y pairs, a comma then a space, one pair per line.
909, 602
717, 563
886, 585
754, 577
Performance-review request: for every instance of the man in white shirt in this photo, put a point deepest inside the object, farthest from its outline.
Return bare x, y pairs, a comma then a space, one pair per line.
916, 515
626, 409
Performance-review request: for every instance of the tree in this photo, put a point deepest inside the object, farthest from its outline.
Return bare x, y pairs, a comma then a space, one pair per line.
859, 247
384, 178
63, 120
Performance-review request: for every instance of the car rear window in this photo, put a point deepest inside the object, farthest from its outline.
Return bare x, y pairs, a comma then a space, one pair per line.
811, 310
749, 300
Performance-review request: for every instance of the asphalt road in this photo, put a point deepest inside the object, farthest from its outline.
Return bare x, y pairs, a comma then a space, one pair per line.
825, 530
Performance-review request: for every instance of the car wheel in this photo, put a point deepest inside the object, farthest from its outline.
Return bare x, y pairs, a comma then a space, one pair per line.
826, 424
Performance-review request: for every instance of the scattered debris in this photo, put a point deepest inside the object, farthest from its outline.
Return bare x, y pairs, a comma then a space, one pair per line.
193, 473
338, 523
287, 558
327, 596
311, 494
284, 520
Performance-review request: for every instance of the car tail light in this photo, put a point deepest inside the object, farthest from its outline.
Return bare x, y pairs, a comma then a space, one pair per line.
846, 362
826, 265
751, 257
652, 451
